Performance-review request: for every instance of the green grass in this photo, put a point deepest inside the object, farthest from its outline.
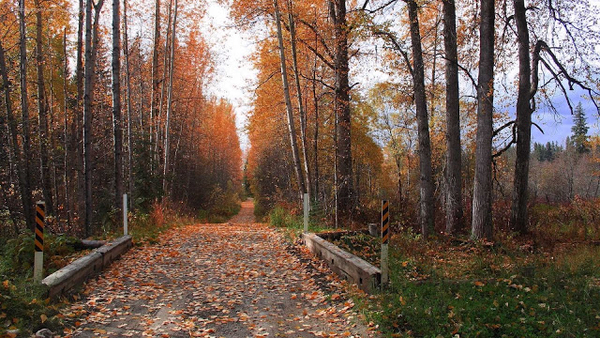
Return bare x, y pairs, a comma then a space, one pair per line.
292, 225
23, 304
441, 290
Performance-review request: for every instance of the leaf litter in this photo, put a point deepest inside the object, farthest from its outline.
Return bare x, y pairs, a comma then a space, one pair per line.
239, 279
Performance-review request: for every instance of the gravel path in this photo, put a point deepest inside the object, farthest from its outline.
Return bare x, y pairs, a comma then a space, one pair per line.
239, 279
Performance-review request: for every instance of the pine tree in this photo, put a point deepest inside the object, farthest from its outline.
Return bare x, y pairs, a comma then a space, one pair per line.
579, 130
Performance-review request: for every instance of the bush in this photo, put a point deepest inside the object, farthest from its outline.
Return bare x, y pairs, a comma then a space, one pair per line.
281, 217
578, 220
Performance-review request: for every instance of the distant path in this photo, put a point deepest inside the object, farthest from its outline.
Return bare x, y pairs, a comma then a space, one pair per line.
238, 279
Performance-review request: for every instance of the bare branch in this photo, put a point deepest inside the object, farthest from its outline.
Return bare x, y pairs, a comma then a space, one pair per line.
316, 80
318, 35
506, 125
319, 55
397, 47
265, 81
505, 149
562, 87
572, 80
465, 70
382, 7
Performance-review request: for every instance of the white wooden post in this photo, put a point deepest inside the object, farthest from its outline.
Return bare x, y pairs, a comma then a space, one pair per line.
125, 214
306, 210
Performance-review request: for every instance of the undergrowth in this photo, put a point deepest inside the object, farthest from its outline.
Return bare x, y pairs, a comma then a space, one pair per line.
504, 289
292, 222
23, 305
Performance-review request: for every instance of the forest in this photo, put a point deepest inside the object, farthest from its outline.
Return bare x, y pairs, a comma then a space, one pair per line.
429, 104
93, 109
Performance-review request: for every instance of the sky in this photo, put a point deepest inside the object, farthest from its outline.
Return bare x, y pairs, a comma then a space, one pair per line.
235, 74
557, 127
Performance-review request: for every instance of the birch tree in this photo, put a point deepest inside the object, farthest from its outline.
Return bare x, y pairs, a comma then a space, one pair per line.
288, 101
116, 104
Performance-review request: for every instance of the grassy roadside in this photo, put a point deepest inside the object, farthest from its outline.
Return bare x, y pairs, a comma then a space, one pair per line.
446, 288
291, 225
457, 288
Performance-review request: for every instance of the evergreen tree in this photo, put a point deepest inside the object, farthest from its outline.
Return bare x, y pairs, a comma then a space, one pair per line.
546, 152
579, 130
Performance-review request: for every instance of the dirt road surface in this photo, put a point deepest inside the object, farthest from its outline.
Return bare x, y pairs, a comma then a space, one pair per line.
239, 279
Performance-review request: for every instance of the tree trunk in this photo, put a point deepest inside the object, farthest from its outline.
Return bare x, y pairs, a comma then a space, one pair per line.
116, 105
301, 109
15, 152
481, 226
518, 219
26, 183
155, 81
87, 118
91, 37
79, 67
454, 210
128, 83
169, 99
316, 134
345, 201
163, 88
288, 103
42, 114
67, 181
77, 126
427, 206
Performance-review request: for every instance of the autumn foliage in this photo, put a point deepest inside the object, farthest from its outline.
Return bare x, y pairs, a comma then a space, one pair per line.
181, 144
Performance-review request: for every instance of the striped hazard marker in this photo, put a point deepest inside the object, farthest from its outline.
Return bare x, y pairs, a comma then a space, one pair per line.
40, 219
40, 215
385, 222
385, 238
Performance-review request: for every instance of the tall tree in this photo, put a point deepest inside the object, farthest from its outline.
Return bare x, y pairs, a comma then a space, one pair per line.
454, 210
116, 104
14, 151
42, 113
301, 110
77, 127
91, 44
427, 206
154, 95
66, 144
580, 129
528, 87
481, 226
129, 103
26, 188
288, 101
345, 201
523, 122
169, 98
79, 71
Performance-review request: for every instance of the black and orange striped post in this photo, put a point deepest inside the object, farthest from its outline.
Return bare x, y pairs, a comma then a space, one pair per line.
40, 219
385, 238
